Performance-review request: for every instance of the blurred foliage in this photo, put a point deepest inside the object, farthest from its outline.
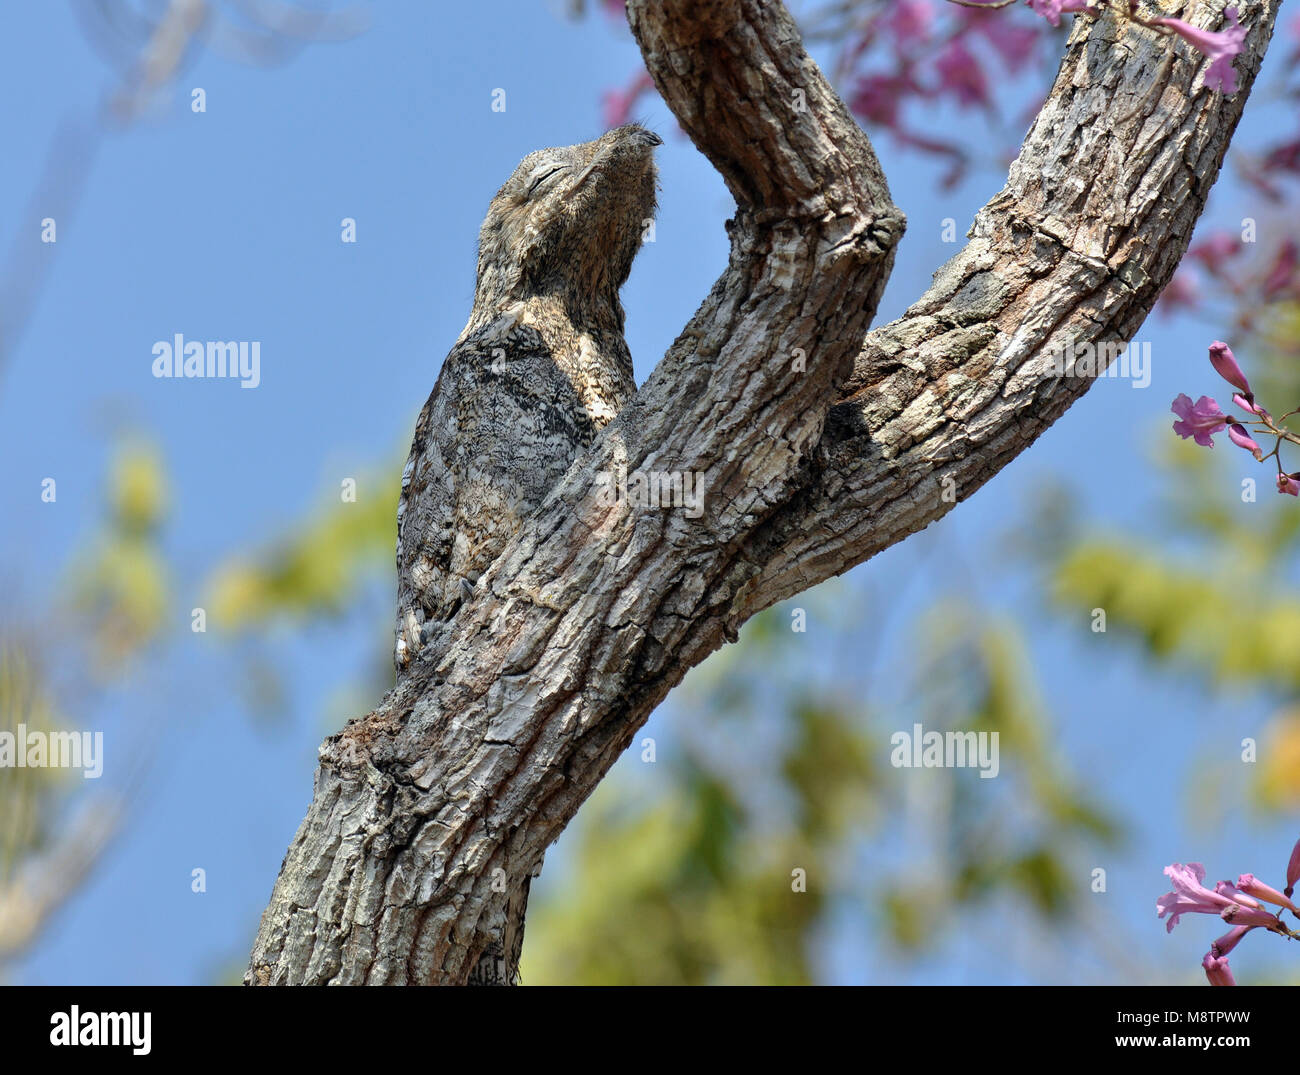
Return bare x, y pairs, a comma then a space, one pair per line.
318, 570
690, 881
1022, 839
1186, 614
687, 888
25, 794
115, 604
315, 571
1278, 340
119, 585
676, 892
1278, 782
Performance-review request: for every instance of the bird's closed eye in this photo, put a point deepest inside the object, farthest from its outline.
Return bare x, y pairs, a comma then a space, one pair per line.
536, 183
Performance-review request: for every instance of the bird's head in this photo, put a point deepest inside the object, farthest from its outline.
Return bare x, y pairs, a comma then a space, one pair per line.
569, 222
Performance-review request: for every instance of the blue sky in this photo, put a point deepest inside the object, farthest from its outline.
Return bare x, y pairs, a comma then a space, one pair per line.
225, 225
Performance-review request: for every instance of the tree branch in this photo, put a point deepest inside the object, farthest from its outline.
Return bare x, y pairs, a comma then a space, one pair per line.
1074, 250
431, 813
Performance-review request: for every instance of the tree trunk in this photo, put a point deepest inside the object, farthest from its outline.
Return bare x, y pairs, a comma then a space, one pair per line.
820, 443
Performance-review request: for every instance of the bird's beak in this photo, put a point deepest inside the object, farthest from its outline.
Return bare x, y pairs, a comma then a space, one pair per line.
641, 135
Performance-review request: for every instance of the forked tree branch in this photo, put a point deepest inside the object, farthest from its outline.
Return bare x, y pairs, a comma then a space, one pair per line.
1075, 249
817, 450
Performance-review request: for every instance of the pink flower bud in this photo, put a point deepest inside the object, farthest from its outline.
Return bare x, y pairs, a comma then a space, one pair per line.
1238, 435
1228, 941
1286, 483
1248, 883
1225, 365
1293, 869
1216, 969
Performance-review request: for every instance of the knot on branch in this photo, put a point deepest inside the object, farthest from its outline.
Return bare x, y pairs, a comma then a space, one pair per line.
883, 232
864, 237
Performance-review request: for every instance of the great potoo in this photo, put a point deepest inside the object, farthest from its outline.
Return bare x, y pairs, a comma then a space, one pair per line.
539, 369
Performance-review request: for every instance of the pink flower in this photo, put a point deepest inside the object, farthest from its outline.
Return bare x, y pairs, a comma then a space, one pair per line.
1220, 47
878, 98
1199, 420
961, 75
911, 20
1228, 941
1213, 251
1247, 882
1225, 365
1283, 158
1216, 969
1181, 292
1238, 435
1282, 273
1286, 483
1052, 10
1189, 895
1013, 43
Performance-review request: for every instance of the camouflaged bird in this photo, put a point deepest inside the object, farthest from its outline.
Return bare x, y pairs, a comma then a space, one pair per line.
540, 368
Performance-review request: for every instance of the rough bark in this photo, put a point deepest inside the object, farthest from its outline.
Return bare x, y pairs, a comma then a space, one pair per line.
431, 813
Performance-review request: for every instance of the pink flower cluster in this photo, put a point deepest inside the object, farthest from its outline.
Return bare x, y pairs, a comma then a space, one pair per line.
1051, 10
1284, 158
1241, 906
930, 52
963, 55
1250, 285
1222, 46
1202, 419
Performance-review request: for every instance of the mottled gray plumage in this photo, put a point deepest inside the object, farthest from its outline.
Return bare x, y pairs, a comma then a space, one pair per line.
540, 368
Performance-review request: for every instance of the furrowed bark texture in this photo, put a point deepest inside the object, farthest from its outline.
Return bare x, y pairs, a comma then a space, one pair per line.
431, 813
